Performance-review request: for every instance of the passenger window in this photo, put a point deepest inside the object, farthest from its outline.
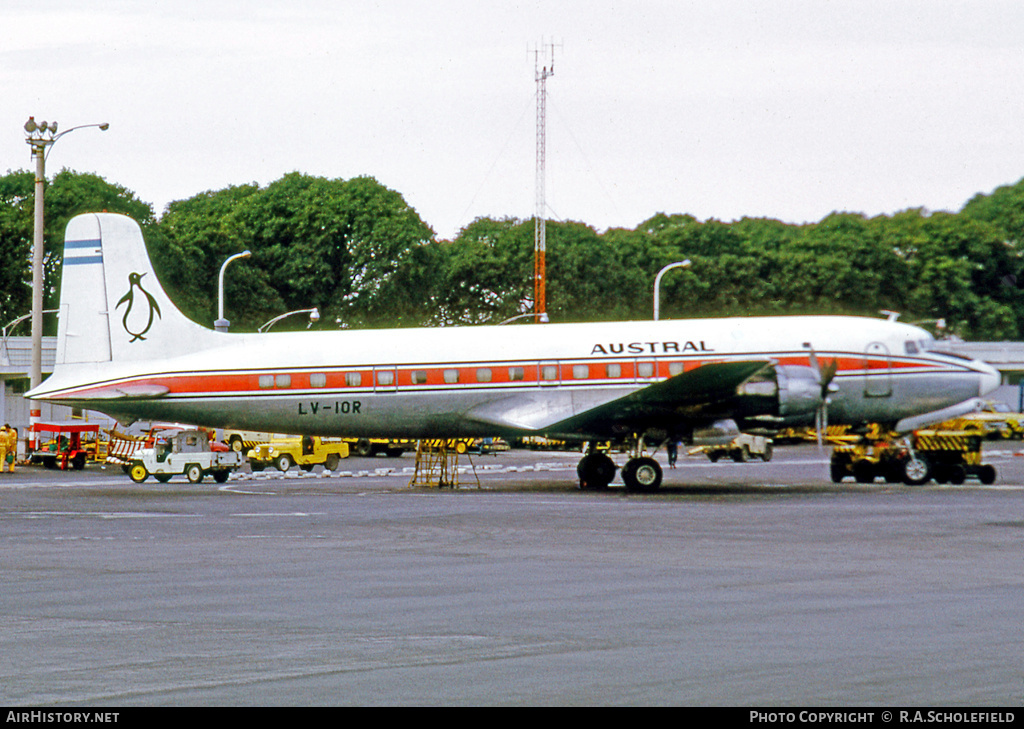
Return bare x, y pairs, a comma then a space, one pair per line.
483, 375
580, 371
419, 377
451, 376
645, 369
386, 378
675, 368
516, 374
318, 379
353, 379
613, 370
266, 381
284, 381
549, 372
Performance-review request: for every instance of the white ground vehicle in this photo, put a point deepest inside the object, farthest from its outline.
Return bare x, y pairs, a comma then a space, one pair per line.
188, 452
742, 449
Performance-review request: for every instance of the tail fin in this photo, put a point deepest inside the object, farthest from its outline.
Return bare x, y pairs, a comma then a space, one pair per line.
112, 307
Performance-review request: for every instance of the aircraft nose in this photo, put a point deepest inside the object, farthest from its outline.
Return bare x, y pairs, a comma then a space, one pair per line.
988, 379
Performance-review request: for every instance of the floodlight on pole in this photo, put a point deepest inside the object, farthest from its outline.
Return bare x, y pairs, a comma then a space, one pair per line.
40, 137
657, 284
222, 324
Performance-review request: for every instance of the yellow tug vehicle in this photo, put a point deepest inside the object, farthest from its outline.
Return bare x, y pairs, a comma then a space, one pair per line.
945, 455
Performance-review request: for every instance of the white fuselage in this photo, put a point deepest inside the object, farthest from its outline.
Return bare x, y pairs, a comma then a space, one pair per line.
479, 381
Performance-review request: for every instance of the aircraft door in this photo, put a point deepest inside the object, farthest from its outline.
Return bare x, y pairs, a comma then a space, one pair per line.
877, 371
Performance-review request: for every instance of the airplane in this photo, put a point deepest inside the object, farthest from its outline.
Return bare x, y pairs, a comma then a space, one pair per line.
126, 350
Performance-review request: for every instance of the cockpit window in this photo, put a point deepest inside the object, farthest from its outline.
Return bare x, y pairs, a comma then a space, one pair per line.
910, 347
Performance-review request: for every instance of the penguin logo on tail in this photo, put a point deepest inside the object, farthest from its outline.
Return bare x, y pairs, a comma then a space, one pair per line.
135, 281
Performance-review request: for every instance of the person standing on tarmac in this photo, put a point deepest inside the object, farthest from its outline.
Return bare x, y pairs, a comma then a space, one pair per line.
8, 447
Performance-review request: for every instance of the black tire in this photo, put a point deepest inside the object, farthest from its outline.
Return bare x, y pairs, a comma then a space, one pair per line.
194, 473
957, 474
987, 474
767, 455
162, 477
137, 472
221, 476
642, 475
236, 444
364, 448
595, 471
283, 462
837, 470
864, 471
915, 470
332, 462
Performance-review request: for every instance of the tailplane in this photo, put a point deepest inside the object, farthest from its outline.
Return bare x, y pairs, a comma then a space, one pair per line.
112, 307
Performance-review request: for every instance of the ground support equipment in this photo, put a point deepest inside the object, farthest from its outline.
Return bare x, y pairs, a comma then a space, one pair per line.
914, 459
437, 463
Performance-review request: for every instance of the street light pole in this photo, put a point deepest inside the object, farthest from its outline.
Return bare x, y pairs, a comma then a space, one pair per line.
40, 138
657, 284
222, 324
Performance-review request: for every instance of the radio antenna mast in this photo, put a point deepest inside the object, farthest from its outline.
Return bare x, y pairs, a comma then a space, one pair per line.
541, 75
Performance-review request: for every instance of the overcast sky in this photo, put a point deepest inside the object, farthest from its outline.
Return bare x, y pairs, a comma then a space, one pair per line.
725, 109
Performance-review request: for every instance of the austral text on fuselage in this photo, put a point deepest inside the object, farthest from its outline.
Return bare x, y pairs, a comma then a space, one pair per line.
650, 348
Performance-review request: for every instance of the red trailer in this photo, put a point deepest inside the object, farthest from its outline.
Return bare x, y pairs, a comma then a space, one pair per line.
64, 447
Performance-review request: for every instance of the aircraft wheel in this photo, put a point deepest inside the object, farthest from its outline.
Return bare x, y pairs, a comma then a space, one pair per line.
137, 473
642, 475
194, 473
283, 462
915, 471
596, 471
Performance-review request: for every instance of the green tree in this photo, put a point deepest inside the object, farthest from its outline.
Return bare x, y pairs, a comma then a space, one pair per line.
67, 195
351, 248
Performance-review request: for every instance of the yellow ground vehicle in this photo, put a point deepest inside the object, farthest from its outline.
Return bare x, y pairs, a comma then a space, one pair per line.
992, 422
304, 452
948, 456
391, 447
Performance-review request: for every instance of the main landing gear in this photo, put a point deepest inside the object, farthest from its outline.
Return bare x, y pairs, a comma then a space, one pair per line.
641, 474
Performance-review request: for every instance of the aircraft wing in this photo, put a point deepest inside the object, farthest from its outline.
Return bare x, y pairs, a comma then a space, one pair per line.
665, 402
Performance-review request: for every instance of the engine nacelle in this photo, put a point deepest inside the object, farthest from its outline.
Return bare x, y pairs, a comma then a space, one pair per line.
799, 390
782, 394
